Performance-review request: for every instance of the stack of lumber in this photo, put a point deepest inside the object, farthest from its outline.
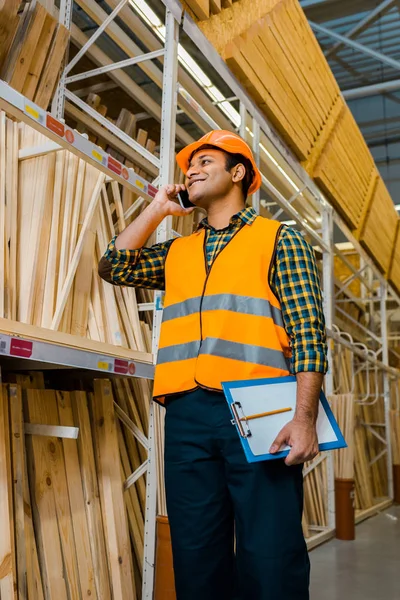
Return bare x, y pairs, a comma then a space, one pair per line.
315, 498
72, 523
57, 215
343, 408
201, 10
272, 50
395, 420
394, 273
33, 52
378, 233
361, 438
345, 170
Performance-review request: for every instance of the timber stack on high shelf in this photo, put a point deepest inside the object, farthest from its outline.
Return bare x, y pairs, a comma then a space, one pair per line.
70, 181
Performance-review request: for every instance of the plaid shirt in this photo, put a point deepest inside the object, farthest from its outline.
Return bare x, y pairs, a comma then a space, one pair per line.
294, 279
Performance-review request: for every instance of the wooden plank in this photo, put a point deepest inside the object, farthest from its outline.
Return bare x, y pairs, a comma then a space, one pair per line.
51, 70
8, 578
39, 57
201, 8
25, 56
44, 511
12, 204
113, 508
2, 209
77, 501
18, 476
49, 466
24, 23
67, 284
91, 495
83, 277
394, 273
215, 6
134, 512
49, 300
8, 26
35, 267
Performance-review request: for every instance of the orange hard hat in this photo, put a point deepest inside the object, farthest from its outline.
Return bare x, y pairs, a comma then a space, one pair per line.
224, 140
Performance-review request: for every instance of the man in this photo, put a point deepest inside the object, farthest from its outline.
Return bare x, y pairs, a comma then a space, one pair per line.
242, 301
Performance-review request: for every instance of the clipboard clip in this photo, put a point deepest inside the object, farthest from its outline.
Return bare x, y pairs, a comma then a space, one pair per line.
240, 420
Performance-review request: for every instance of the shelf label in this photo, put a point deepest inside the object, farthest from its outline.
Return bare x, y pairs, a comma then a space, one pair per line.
21, 348
69, 136
33, 112
151, 190
121, 366
114, 165
132, 368
140, 184
104, 365
97, 155
54, 125
4, 345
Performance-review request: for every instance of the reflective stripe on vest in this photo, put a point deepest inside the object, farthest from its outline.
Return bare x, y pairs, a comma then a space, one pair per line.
216, 347
239, 304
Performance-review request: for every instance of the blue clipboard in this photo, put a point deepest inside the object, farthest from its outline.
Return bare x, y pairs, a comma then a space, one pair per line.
255, 396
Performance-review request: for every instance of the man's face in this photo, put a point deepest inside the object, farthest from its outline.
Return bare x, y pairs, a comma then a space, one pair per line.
207, 177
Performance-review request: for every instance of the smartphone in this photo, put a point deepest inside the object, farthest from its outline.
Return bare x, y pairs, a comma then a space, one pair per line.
184, 201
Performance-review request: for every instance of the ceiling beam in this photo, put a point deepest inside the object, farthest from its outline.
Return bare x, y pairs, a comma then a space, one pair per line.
363, 49
372, 90
362, 25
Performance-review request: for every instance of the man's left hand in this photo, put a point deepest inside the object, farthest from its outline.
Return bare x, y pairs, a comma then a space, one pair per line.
301, 437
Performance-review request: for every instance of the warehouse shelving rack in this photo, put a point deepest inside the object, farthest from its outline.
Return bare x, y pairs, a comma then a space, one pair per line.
285, 185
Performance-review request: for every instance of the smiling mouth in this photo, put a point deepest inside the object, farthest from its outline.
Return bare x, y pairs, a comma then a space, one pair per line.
194, 182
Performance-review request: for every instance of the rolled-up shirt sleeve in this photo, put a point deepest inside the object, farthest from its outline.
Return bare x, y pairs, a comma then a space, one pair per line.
135, 268
296, 284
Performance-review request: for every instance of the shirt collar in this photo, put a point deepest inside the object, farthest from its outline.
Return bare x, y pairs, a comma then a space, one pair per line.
247, 215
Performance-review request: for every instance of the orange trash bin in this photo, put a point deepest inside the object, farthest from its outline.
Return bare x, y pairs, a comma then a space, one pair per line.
345, 512
164, 585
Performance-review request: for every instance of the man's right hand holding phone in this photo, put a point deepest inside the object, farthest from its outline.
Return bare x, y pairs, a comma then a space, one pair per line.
166, 198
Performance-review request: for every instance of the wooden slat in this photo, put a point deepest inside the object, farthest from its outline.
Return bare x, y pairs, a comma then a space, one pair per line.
8, 576
76, 499
27, 52
53, 514
113, 508
51, 70
39, 57
8, 26
18, 475
91, 495
200, 8
25, 21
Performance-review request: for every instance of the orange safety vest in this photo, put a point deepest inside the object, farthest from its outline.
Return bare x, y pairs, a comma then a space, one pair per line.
223, 323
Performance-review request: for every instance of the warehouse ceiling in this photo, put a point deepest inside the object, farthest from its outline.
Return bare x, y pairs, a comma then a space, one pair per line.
365, 60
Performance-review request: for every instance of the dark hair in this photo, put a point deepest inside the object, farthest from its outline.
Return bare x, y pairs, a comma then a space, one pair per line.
231, 161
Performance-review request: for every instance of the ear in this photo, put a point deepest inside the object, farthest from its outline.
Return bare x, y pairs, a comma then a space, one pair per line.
238, 173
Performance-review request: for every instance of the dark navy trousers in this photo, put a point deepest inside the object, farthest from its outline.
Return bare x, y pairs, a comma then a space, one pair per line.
214, 497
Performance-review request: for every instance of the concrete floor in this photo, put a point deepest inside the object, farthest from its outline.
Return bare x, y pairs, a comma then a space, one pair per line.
366, 569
